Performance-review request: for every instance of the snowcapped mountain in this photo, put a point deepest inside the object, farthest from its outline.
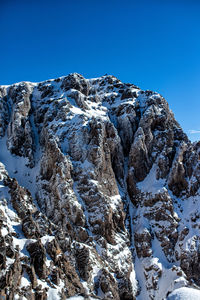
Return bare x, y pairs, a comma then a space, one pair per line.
99, 193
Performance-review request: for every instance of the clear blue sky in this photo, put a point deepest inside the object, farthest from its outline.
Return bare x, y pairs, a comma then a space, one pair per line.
153, 44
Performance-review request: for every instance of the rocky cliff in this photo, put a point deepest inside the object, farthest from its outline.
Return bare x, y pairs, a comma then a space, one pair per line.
99, 193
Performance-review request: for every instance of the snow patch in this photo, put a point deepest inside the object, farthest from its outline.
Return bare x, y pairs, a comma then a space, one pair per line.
184, 293
150, 184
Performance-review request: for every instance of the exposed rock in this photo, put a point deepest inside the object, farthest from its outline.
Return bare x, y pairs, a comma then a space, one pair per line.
77, 82
19, 132
38, 257
108, 285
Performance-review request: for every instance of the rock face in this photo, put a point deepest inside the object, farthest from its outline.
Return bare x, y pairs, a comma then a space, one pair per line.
99, 192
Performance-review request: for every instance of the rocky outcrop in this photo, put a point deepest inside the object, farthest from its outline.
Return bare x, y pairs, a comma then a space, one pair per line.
99, 191
19, 129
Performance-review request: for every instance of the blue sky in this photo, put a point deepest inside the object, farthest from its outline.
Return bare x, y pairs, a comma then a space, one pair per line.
153, 44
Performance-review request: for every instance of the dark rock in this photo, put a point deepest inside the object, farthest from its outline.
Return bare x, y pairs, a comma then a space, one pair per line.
38, 258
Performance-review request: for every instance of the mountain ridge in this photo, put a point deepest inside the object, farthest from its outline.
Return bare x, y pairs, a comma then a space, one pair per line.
109, 177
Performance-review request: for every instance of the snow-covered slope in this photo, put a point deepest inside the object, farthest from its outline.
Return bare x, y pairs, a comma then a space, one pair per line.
184, 293
99, 193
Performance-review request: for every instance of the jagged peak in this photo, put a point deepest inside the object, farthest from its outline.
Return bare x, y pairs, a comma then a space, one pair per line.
111, 79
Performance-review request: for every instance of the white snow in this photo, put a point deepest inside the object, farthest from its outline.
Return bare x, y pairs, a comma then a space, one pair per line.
133, 280
184, 293
115, 201
17, 297
80, 298
4, 231
76, 298
150, 184
53, 294
17, 167
25, 281
47, 238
